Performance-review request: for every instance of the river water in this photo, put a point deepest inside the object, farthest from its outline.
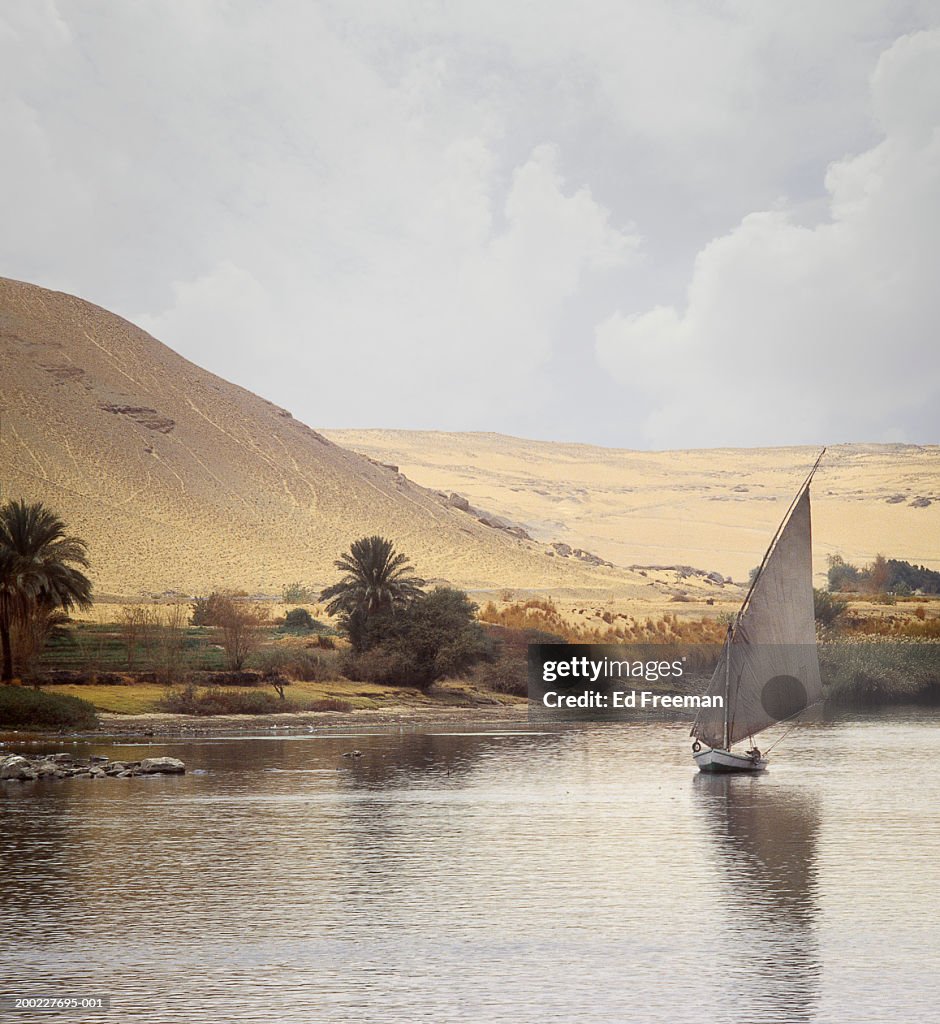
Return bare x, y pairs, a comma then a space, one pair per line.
564, 873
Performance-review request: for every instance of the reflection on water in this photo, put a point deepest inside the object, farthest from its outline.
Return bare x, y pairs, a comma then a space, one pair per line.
765, 836
572, 874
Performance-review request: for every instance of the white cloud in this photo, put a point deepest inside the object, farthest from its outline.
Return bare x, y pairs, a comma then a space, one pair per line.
471, 306
797, 334
442, 199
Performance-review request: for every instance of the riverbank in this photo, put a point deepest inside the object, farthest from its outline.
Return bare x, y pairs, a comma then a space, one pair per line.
308, 721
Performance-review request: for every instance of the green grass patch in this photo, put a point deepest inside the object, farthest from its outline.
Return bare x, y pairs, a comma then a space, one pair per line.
25, 708
880, 672
137, 699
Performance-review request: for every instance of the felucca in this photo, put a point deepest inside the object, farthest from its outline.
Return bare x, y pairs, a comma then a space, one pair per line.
769, 669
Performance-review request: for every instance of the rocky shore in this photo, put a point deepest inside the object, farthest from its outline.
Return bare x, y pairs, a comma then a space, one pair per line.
16, 768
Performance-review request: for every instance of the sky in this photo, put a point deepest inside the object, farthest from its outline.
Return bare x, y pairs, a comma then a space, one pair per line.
638, 224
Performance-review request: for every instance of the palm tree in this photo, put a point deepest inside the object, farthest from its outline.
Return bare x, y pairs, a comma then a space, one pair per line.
377, 579
40, 570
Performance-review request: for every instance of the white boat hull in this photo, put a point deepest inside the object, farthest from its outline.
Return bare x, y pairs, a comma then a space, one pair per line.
724, 761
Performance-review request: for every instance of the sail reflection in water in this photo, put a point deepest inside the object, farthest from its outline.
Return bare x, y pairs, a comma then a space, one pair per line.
764, 839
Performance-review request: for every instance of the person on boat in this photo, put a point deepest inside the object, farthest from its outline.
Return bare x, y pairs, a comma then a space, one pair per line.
754, 754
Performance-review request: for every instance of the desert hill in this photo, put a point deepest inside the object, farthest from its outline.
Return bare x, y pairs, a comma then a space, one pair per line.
181, 481
714, 508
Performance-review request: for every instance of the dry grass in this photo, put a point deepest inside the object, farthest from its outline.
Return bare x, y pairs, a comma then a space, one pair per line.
611, 627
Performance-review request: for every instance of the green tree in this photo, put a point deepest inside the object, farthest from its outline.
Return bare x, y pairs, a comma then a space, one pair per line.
376, 580
435, 637
842, 575
40, 570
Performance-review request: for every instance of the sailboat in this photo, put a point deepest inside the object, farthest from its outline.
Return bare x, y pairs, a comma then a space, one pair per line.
769, 669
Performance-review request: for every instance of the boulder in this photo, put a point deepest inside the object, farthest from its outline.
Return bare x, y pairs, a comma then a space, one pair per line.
161, 766
16, 768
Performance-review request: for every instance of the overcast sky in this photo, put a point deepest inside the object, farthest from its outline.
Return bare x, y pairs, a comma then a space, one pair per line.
640, 224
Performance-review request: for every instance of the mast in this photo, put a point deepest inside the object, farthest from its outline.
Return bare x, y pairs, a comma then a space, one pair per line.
727, 701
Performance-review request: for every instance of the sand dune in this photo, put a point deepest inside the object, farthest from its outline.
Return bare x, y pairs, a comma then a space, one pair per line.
711, 508
179, 480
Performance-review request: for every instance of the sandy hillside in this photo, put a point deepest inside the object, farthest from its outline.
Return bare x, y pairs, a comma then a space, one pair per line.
179, 480
711, 508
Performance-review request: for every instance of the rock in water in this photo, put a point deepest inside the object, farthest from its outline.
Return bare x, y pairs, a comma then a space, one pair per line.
16, 767
161, 766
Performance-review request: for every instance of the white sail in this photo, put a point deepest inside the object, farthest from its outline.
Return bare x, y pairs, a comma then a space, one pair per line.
769, 670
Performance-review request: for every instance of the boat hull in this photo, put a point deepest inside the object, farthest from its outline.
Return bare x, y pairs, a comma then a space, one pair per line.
724, 761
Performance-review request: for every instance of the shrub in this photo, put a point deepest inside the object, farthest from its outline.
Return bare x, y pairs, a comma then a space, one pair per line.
214, 701
299, 664
329, 704
299, 620
207, 610
314, 668
297, 593
842, 575
377, 665
506, 669
434, 637
232, 678
22, 708
828, 608
506, 675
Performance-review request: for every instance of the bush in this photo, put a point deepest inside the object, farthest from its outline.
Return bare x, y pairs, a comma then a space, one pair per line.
828, 608
214, 701
21, 708
329, 704
231, 678
299, 620
506, 669
298, 664
433, 638
314, 668
297, 593
506, 675
378, 665
208, 610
